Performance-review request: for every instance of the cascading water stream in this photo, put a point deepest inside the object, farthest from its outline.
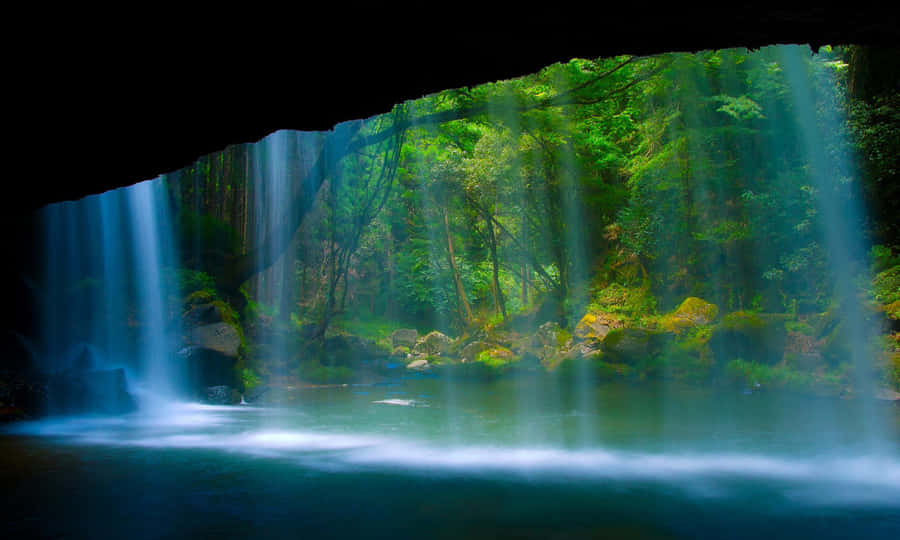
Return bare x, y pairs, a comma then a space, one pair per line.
109, 299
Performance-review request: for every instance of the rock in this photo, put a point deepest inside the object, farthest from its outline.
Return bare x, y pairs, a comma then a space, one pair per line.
222, 395
629, 345
202, 314
496, 357
404, 337
219, 337
433, 343
691, 313
94, 391
753, 337
596, 325
419, 365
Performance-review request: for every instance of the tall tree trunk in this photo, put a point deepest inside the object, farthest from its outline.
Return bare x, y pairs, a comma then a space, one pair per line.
524, 263
465, 310
496, 291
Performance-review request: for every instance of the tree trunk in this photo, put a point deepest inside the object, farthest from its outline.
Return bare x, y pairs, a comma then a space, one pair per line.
465, 311
499, 302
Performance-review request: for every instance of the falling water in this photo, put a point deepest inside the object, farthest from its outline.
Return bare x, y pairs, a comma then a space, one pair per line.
109, 290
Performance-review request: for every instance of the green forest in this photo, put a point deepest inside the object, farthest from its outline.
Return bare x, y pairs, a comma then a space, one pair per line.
629, 218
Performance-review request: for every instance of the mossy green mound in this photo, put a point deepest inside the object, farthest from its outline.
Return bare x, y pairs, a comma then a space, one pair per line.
692, 313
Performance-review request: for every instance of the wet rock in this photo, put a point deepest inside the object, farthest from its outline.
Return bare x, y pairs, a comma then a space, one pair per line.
222, 395
404, 337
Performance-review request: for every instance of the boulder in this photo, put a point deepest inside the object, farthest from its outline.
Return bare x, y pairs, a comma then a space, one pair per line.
433, 343
220, 337
202, 314
754, 337
596, 325
693, 312
404, 337
630, 345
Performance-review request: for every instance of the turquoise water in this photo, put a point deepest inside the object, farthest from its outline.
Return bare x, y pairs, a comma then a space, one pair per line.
418, 458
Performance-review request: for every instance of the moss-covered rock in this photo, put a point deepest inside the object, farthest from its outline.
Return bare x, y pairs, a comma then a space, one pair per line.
597, 324
631, 345
753, 337
692, 312
496, 357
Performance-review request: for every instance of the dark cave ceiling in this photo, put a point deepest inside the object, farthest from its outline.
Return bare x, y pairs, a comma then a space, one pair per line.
98, 111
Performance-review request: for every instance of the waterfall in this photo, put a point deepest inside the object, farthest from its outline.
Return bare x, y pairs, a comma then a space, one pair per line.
109, 303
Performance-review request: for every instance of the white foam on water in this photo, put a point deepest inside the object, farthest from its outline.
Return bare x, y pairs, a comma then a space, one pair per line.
401, 402
834, 479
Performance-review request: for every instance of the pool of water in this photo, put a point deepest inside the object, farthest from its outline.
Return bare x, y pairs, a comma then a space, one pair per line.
422, 457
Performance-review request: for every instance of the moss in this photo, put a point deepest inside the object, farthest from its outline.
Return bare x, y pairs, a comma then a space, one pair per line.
693, 312
496, 357
753, 336
743, 320
886, 286
893, 371
635, 303
614, 337
204, 296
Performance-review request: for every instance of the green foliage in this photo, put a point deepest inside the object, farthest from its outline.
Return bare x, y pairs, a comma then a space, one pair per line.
195, 281
249, 379
313, 371
632, 302
886, 286
883, 257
